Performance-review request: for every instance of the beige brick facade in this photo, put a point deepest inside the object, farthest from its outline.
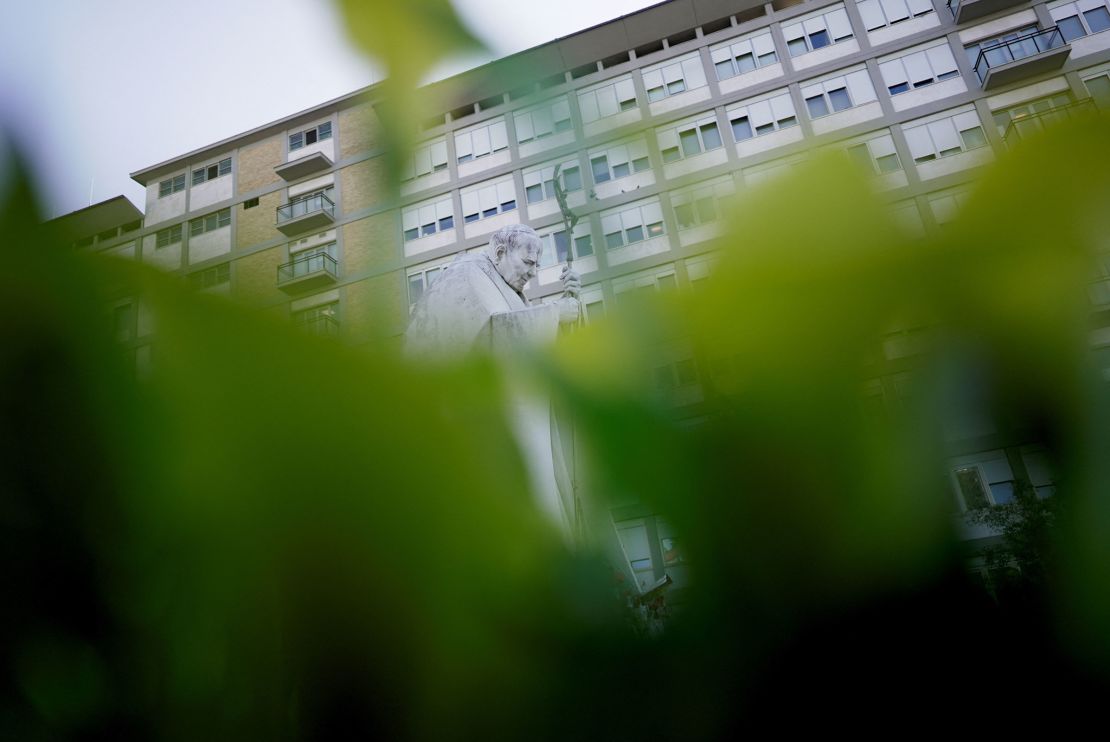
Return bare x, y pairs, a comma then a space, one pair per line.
371, 244
363, 184
257, 162
256, 277
359, 130
256, 224
375, 308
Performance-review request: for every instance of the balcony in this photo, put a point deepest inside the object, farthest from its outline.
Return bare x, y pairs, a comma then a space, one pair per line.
1004, 62
969, 10
322, 325
1020, 128
307, 272
302, 166
305, 214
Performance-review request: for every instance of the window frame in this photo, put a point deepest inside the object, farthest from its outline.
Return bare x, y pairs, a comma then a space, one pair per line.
200, 225
689, 68
898, 69
173, 236
529, 114
170, 186
617, 84
205, 173
420, 229
936, 121
485, 132
695, 125
315, 131
635, 164
811, 21
730, 49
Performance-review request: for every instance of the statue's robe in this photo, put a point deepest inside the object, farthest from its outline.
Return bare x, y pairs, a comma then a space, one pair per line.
470, 307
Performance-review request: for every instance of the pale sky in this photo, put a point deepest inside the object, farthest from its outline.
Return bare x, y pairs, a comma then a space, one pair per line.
92, 91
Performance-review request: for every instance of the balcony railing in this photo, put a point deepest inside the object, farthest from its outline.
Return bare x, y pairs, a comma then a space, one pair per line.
322, 325
305, 213
308, 271
1001, 53
1020, 128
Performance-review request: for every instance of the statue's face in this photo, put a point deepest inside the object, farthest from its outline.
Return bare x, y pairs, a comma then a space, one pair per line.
517, 265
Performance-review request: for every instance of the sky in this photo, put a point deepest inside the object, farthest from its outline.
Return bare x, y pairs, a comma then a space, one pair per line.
93, 91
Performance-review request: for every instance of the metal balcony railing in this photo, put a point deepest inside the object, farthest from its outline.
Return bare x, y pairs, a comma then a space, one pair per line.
308, 265
295, 209
1000, 53
1020, 128
323, 325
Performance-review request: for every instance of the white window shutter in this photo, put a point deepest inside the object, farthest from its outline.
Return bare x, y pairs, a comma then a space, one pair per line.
760, 113
506, 191
896, 10
921, 144
968, 120
607, 101
444, 208
637, 148
667, 138
626, 90
524, 131
652, 212
693, 73
618, 154
470, 203
782, 107
672, 73
499, 138
541, 117
631, 218
813, 25
944, 135
534, 177
480, 137
859, 87
462, 144
487, 197
717, 55
587, 104
653, 79
893, 73
410, 218
763, 44
560, 111
883, 145
917, 67
793, 31
941, 59
920, 7
439, 153
423, 160
872, 14
839, 27
428, 214
610, 223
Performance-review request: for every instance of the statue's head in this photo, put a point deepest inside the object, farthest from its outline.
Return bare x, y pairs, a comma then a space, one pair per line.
515, 251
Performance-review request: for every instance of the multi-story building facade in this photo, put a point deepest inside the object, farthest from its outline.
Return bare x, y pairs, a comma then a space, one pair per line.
650, 119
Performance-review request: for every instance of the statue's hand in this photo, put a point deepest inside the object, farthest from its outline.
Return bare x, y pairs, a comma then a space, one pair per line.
572, 284
568, 310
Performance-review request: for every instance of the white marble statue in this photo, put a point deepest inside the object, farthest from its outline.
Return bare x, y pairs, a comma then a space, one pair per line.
478, 304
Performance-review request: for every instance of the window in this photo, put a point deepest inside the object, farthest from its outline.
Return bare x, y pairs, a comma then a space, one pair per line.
171, 185
631, 224
209, 222
543, 120
421, 281
211, 172
701, 204
631, 288
1078, 19
619, 160
250, 203
673, 77
607, 99
879, 13
817, 31
1039, 468
488, 199
309, 261
753, 119
168, 236
1027, 115
919, 69
319, 320
1099, 88
943, 137
427, 158
689, 138
555, 245
1002, 53
673, 375
876, 155
539, 183
984, 483
427, 218
209, 277
743, 56
480, 141
838, 93
310, 136
946, 205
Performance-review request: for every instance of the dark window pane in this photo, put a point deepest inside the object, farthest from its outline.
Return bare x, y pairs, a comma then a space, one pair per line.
310, 136
861, 156
1097, 19
707, 209
655, 229
689, 141
634, 234
489, 212
447, 222
819, 39
725, 69
641, 164
710, 136
1002, 492
411, 234
600, 167
534, 193
468, 218
561, 246
583, 246
676, 87
973, 137
614, 239
508, 205
741, 129
971, 487
628, 104
764, 129
621, 170
1071, 28
655, 94
572, 179
670, 154
745, 63
768, 58
899, 88
684, 214
787, 122
888, 163
817, 106
840, 99
428, 229
796, 47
